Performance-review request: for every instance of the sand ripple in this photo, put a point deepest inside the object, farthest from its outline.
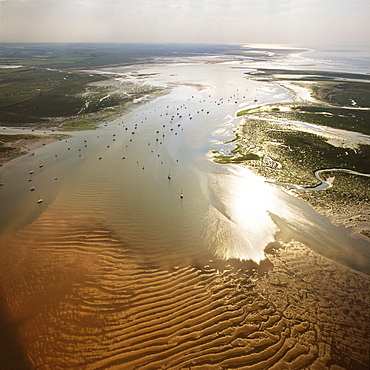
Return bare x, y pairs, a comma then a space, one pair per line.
82, 299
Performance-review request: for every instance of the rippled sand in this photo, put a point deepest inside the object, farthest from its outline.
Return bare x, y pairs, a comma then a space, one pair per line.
80, 298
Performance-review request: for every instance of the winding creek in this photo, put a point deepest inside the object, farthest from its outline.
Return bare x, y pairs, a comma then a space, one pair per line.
325, 183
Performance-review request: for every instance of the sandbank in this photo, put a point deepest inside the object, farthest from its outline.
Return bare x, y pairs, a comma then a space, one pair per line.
21, 144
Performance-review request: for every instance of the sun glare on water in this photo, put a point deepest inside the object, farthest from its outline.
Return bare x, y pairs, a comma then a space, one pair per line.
243, 201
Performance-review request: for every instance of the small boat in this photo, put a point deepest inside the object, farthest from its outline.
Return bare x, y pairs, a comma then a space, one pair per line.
169, 175
40, 201
181, 194
32, 188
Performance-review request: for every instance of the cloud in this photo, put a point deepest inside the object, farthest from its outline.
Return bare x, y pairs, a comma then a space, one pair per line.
232, 21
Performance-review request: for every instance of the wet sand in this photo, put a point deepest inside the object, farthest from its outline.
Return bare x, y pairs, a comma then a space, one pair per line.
27, 145
83, 299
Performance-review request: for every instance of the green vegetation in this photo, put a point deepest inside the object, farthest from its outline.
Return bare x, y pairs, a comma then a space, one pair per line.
339, 114
46, 89
356, 94
42, 93
14, 145
30, 95
34, 96
342, 118
222, 159
261, 109
66, 55
15, 137
318, 114
86, 55
297, 149
8, 152
343, 96
79, 125
308, 152
291, 153
303, 75
250, 110
299, 154
295, 153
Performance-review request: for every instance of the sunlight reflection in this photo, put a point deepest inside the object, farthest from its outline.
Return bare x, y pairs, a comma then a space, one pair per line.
246, 214
241, 202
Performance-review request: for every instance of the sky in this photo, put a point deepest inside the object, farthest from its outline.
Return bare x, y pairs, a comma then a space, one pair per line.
296, 22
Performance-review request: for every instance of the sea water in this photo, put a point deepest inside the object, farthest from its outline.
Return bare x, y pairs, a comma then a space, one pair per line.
119, 175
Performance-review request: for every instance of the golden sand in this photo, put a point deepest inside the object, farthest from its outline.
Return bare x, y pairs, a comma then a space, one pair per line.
77, 297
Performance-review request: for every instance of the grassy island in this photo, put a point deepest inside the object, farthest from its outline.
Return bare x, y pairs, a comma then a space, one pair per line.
288, 142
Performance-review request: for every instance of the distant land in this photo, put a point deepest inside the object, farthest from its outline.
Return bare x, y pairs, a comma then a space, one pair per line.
46, 79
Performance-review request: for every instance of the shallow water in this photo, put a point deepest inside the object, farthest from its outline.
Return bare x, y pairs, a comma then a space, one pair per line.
118, 176
114, 269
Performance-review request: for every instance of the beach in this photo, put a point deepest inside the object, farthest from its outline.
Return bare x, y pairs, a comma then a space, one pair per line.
21, 144
146, 253
84, 299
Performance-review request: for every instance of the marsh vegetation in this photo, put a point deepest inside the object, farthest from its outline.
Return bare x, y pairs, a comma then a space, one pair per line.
293, 140
54, 86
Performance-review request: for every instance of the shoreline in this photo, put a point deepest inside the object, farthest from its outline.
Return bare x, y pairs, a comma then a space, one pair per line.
26, 143
41, 135
301, 92
355, 217
82, 292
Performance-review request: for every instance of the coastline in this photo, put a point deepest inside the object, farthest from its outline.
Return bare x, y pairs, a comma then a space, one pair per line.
354, 216
302, 92
58, 128
349, 217
84, 287
22, 144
